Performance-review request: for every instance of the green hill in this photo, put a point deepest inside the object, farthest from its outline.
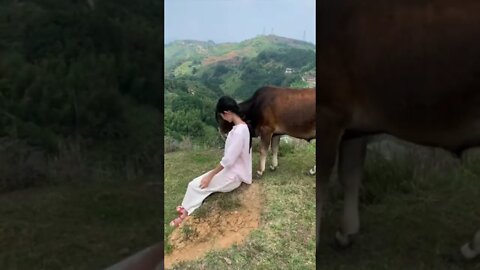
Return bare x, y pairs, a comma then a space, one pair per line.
80, 130
81, 70
205, 53
198, 72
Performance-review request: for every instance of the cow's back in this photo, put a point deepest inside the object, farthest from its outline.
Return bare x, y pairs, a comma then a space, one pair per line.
287, 110
409, 68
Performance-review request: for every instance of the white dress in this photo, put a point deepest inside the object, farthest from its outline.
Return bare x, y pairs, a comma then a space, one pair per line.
237, 168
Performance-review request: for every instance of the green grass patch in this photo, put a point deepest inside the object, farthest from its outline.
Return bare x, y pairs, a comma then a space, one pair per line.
286, 236
89, 226
188, 232
415, 208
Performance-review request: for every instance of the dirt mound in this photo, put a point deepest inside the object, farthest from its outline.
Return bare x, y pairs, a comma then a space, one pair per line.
218, 230
229, 57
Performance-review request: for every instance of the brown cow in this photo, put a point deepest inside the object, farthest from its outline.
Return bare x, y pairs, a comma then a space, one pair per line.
407, 68
274, 111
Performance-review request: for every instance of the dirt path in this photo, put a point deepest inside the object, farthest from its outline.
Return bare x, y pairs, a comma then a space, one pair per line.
217, 230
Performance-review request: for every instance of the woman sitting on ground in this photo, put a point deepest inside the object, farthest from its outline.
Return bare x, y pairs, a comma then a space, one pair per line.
234, 168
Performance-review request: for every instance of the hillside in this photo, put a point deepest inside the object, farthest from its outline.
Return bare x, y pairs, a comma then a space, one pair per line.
81, 71
179, 52
197, 73
236, 68
80, 130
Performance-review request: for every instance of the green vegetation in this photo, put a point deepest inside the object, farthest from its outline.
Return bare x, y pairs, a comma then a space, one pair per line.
182, 51
80, 133
418, 205
286, 236
83, 75
198, 73
77, 226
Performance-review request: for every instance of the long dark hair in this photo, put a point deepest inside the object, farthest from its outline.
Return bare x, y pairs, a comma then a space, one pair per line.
227, 103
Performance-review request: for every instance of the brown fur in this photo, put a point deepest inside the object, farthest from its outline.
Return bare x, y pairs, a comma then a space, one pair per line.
274, 111
406, 68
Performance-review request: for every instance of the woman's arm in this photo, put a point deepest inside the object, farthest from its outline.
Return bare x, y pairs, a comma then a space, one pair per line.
233, 148
208, 178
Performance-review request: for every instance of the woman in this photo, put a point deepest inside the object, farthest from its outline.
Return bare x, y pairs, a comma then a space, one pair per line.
234, 168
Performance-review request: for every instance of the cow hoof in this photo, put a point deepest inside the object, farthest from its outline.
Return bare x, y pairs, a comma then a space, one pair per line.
258, 175
343, 241
273, 168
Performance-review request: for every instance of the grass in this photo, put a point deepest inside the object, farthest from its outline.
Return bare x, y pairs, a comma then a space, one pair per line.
88, 226
188, 232
417, 204
416, 207
286, 236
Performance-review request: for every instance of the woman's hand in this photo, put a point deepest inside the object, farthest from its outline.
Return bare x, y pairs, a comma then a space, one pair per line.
205, 181
208, 178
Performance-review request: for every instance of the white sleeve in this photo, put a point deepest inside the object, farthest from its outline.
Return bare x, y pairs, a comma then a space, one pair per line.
233, 148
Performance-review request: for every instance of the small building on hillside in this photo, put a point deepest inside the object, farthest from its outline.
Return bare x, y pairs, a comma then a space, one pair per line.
289, 70
310, 79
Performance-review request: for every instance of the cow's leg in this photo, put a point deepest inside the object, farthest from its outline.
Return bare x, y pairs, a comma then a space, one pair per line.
328, 140
265, 139
275, 145
313, 170
471, 249
350, 168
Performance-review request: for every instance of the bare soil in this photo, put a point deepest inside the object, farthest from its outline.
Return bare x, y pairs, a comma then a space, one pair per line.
218, 230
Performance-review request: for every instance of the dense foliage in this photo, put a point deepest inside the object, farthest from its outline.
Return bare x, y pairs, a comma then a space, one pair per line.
86, 72
198, 73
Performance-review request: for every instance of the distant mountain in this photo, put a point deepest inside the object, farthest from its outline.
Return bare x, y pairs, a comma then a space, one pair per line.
210, 52
197, 73
239, 68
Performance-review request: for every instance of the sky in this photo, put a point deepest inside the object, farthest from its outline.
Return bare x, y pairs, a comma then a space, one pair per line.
238, 20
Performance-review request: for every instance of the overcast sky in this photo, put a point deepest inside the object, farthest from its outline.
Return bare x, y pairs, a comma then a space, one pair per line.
238, 20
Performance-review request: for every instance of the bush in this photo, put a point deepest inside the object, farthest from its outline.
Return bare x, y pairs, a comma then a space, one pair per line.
69, 165
21, 165
170, 144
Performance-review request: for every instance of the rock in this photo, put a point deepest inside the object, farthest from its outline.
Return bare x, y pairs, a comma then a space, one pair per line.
227, 260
